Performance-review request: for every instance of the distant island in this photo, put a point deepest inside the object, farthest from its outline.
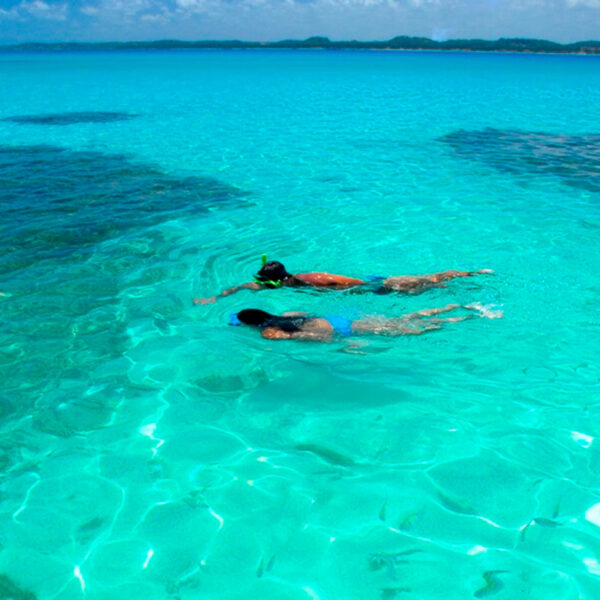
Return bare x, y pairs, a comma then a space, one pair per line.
315, 43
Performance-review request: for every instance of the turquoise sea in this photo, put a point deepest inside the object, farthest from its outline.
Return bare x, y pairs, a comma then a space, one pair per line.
148, 451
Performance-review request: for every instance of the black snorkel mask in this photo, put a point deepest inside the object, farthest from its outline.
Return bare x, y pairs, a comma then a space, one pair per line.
268, 282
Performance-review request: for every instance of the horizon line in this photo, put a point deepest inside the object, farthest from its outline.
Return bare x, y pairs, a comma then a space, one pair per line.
401, 42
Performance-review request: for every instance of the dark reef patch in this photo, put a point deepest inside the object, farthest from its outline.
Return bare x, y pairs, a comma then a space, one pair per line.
55, 201
90, 246
11, 591
70, 118
575, 159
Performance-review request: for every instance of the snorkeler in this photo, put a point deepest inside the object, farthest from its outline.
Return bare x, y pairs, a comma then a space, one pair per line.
301, 326
273, 274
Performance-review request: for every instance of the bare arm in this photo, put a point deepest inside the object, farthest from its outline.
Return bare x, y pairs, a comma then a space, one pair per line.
273, 333
245, 286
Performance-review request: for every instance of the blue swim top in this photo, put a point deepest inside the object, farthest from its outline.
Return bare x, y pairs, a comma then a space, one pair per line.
341, 325
234, 320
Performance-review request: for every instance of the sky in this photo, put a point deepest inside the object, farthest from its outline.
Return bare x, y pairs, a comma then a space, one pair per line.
269, 20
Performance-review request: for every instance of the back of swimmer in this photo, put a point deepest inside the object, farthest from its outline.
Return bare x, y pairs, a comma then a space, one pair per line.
286, 326
302, 326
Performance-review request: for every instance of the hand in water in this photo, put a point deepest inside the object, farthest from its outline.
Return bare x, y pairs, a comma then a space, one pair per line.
486, 311
210, 300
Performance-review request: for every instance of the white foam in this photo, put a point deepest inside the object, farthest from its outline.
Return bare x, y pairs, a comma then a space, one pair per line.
593, 514
585, 441
487, 311
592, 565
310, 592
148, 430
79, 576
148, 557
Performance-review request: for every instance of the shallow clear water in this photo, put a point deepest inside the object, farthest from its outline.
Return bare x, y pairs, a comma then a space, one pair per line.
149, 451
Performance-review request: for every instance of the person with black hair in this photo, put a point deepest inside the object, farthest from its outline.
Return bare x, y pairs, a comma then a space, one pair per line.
273, 274
302, 326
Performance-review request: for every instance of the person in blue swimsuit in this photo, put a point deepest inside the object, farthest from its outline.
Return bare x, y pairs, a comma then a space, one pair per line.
302, 326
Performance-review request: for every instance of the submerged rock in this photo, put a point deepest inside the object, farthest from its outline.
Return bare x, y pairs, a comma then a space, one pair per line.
70, 118
575, 159
58, 201
90, 267
11, 591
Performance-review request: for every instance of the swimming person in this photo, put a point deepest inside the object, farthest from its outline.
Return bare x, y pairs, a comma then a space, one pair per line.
301, 326
273, 274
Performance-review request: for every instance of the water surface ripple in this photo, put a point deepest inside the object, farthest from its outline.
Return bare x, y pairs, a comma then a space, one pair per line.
149, 451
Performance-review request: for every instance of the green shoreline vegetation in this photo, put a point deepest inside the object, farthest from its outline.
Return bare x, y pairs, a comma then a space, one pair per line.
324, 43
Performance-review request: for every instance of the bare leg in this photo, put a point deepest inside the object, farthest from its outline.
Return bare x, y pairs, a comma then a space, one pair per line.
423, 326
452, 273
416, 283
429, 312
407, 283
414, 325
418, 322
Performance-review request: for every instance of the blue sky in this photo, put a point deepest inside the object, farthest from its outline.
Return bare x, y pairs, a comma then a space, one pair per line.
102, 20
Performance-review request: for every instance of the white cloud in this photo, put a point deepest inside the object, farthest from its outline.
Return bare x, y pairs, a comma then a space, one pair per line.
188, 3
37, 9
584, 3
42, 10
149, 18
127, 7
91, 11
561, 20
215, 7
550, 4
116, 10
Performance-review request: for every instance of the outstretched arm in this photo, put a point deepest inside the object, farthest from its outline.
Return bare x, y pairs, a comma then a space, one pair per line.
245, 286
273, 333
